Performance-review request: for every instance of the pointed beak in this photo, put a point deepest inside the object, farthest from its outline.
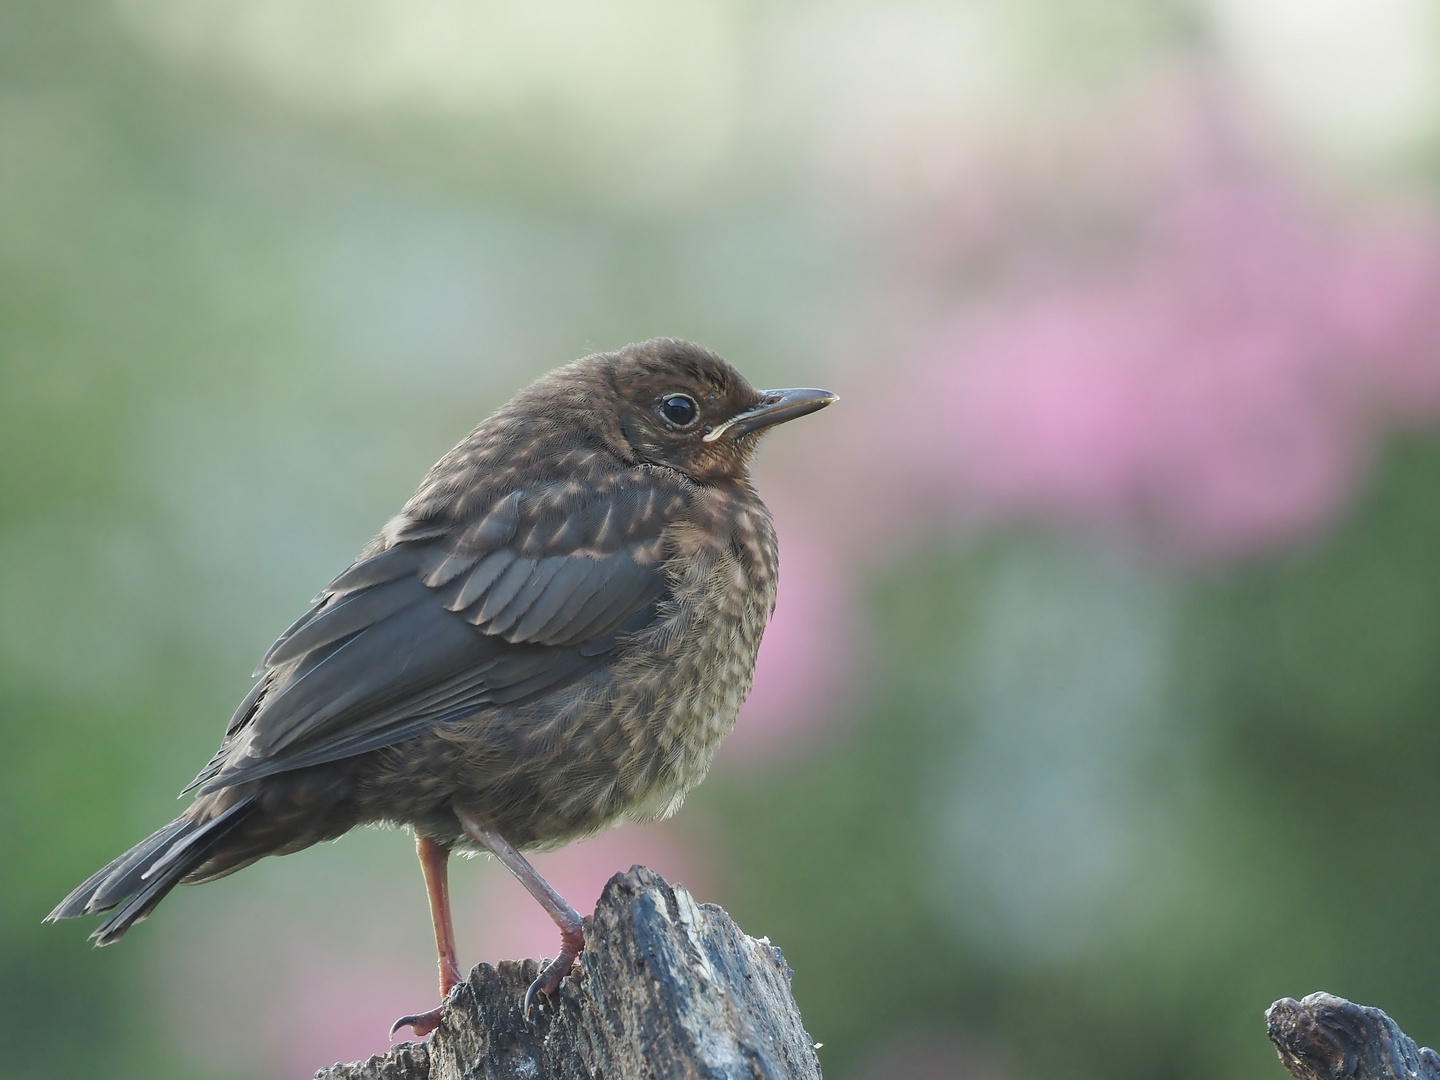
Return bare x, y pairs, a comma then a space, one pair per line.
778, 406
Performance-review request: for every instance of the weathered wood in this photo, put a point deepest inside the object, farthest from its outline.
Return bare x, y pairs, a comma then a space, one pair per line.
666, 988
1328, 1038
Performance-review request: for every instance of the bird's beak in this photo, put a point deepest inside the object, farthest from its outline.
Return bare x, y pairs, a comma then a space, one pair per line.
778, 406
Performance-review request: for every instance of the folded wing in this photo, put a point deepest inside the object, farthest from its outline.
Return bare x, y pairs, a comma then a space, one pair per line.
449, 618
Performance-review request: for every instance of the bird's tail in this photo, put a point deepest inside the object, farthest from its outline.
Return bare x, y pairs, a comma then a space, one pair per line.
141, 878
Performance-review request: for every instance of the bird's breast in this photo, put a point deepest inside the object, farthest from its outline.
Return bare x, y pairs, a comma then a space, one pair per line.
699, 657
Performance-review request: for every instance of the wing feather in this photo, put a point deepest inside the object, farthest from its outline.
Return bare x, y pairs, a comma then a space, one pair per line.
534, 590
399, 561
505, 623
353, 612
507, 586
440, 566
481, 578
569, 578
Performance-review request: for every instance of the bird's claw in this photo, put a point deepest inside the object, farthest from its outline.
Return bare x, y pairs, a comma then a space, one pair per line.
421, 1024
549, 980
530, 997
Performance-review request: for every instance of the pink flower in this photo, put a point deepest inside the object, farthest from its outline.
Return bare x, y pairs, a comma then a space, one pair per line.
1217, 390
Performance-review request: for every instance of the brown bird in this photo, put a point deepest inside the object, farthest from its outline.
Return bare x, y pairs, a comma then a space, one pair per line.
550, 637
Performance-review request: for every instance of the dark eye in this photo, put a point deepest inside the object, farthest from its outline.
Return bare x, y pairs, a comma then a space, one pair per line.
679, 409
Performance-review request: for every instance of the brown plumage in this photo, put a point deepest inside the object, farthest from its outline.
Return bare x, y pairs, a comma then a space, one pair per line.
550, 637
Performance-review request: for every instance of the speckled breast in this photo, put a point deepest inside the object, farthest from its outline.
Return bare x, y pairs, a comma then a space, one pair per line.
723, 592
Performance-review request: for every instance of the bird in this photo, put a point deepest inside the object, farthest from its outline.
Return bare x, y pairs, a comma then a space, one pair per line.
550, 638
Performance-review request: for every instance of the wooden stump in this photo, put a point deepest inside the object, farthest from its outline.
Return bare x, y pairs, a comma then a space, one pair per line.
1325, 1037
666, 988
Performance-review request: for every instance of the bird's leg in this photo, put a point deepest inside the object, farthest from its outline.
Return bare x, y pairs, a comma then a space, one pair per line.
572, 927
435, 864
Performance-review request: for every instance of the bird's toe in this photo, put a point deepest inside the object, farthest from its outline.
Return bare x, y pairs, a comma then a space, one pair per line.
421, 1024
548, 982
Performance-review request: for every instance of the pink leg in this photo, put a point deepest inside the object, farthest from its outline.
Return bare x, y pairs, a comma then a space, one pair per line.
434, 863
572, 927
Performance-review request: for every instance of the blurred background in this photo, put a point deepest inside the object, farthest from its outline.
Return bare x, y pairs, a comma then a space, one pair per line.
1099, 709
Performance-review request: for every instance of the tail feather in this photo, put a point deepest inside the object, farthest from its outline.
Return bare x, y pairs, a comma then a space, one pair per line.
127, 870
144, 875
76, 903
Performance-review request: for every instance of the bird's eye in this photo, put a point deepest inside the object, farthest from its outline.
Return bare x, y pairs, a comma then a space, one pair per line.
679, 409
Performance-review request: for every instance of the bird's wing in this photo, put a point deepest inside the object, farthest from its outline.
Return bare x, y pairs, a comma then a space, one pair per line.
447, 619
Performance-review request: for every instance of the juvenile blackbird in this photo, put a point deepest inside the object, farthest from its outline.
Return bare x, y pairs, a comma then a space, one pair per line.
550, 637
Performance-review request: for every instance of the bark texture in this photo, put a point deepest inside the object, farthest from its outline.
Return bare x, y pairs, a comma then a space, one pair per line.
1325, 1037
666, 988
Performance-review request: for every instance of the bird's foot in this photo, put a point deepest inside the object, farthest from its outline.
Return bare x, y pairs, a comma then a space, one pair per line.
553, 973
421, 1024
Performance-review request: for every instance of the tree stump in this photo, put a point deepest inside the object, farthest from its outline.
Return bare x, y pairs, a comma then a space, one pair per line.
1328, 1038
666, 988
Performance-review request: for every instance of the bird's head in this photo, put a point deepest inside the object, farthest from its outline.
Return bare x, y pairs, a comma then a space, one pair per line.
668, 402
660, 402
